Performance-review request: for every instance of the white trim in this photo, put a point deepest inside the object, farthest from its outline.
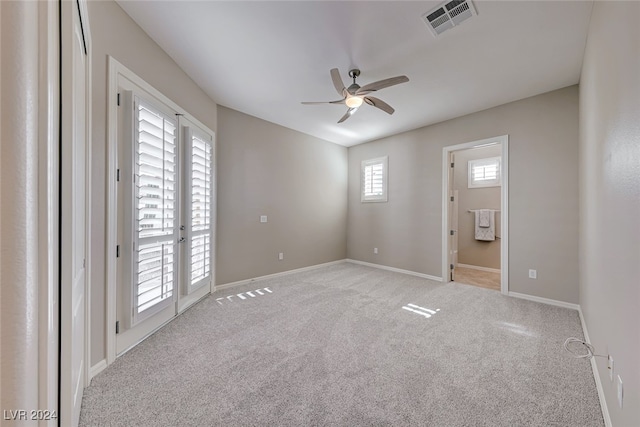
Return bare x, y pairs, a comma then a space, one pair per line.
504, 206
504, 217
396, 270
97, 368
545, 300
272, 276
86, 32
48, 199
596, 375
479, 268
112, 215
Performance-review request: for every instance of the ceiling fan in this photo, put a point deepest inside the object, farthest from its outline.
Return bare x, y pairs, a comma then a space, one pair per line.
354, 95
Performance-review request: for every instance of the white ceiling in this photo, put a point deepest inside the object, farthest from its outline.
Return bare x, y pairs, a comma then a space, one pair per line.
263, 58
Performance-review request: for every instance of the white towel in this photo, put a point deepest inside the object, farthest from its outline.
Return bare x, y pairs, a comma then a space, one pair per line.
485, 233
485, 218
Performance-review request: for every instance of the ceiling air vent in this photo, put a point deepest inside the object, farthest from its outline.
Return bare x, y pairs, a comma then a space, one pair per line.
448, 15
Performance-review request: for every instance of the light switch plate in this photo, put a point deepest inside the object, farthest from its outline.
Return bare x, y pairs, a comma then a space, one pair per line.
533, 274
263, 218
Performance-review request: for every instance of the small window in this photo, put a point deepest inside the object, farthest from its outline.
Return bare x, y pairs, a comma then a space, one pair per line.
374, 180
485, 173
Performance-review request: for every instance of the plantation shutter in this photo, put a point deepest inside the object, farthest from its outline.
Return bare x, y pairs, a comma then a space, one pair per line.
374, 180
199, 207
155, 209
484, 172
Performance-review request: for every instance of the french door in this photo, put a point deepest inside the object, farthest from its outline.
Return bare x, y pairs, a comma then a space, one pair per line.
165, 214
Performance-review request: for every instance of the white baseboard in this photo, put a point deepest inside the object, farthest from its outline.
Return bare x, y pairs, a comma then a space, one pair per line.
477, 267
596, 376
545, 300
271, 276
97, 368
397, 270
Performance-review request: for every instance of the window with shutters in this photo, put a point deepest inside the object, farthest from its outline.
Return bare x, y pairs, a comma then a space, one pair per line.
373, 180
484, 173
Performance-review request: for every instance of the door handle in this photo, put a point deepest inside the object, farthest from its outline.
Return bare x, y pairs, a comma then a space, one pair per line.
182, 240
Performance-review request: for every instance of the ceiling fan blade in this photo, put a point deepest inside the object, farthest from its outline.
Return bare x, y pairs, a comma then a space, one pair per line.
348, 114
381, 84
337, 81
379, 103
339, 101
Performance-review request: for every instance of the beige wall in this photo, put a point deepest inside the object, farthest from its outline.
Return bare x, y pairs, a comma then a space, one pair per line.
114, 33
610, 199
298, 181
470, 250
543, 209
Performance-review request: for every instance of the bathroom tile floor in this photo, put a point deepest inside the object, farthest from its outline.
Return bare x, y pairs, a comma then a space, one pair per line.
483, 279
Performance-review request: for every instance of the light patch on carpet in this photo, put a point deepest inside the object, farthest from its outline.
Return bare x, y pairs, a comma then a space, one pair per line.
244, 295
426, 312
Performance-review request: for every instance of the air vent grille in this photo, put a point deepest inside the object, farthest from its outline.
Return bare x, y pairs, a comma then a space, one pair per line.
448, 15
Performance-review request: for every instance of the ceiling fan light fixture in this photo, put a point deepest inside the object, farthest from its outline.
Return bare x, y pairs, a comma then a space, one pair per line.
353, 101
354, 96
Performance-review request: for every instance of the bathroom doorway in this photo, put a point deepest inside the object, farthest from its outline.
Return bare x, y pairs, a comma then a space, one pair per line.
475, 240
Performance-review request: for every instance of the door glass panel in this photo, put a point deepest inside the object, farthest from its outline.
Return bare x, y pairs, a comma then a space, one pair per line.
201, 189
155, 208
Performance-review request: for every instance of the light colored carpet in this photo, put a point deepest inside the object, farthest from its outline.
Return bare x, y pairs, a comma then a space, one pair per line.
484, 279
334, 347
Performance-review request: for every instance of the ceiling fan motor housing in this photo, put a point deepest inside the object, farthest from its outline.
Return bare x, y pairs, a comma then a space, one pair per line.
354, 87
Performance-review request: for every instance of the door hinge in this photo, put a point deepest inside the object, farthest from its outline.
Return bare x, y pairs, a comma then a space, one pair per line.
451, 232
117, 251
118, 100
452, 198
452, 164
117, 327
118, 175
450, 266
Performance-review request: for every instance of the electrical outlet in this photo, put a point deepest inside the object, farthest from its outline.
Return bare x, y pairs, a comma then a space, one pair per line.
263, 218
610, 366
281, 256
620, 392
375, 251
533, 274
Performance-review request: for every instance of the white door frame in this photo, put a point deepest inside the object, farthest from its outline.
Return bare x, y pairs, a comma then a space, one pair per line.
48, 201
504, 207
